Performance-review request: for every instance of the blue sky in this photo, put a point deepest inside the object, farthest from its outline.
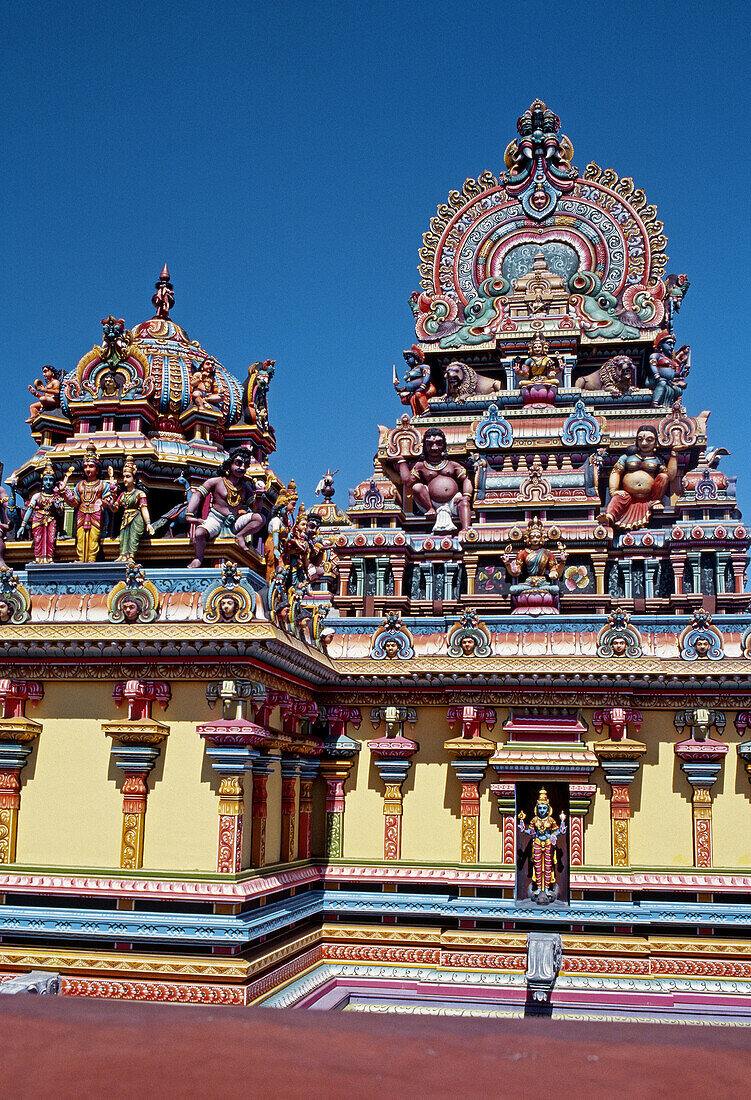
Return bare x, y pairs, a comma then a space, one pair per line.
286, 159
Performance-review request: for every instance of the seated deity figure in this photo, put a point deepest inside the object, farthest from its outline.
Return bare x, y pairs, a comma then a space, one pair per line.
539, 374
668, 369
47, 392
536, 592
89, 497
638, 482
544, 832
441, 486
41, 514
234, 505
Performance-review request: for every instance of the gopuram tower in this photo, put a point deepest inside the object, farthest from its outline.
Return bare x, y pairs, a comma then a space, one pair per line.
481, 739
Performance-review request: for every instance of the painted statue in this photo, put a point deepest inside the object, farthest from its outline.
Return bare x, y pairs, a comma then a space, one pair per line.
668, 369
233, 509
89, 498
544, 832
441, 486
40, 517
164, 299
47, 392
280, 525
638, 482
255, 393
136, 518
463, 383
615, 377
416, 389
205, 392
536, 592
538, 366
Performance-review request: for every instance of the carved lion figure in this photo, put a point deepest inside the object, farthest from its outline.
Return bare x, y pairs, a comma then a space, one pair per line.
615, 376
463, 382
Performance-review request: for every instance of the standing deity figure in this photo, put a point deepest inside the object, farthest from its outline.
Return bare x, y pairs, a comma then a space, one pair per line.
89, 497
233, 509
668, 369
280, 525
544, 832
40, 516
638, 482
536, 592
136, 518
441, 486
47, 391
417, 389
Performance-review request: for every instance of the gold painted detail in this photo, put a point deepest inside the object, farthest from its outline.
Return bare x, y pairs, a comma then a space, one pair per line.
620, 841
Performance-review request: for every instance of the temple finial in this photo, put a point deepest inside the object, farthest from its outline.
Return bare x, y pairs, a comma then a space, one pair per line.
164, 299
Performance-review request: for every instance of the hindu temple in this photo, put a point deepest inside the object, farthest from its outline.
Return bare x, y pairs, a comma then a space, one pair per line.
478, 741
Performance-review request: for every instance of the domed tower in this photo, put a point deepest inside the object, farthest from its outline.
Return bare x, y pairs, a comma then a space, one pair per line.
154, 394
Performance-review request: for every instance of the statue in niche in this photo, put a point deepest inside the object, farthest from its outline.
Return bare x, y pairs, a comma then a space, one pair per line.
89, 497
41, 515
234, 505
668, 369
47, 392
441, 486
416, 389
537, 591
204, 388
135, 509
544, 832
638, 482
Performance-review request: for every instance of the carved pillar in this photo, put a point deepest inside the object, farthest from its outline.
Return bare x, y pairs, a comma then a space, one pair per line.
619, 757
505, 794
16, 735
392, 758
701, 759
580, 799
308, 771
291, 770
339, 756
471, 562
261, 767
470, 753
599, 563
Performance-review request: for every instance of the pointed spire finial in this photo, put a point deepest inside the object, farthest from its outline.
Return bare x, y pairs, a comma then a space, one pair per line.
164, 299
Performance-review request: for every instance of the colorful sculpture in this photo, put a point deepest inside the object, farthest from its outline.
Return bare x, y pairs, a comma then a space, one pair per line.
89, 497
442, 487
615, 377
463, 383
539, 373
47, 391
255, 394
638, 482
668, 369
136, 519
41, 516
544, 832
417, 389
280, 525
134, 600
537, 593
164, 298
233, 505
205, 392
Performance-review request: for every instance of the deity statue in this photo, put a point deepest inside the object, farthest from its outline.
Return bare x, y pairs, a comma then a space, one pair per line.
47, 391
638, 482
539, 374
255, 393
668, 369
280, 525
89, 497
116, 340
441, 486
204, 388
41, 516
544, 831
136, 518
536, 593
234, 505
164, 299
416, 389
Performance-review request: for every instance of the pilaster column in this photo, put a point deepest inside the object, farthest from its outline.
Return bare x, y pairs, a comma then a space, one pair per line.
701, 760
339, 752
393, 764
16, 735
291, 770
261, 767
619, 757
470, 752
580, 799
134, 752
308, 771
505, 794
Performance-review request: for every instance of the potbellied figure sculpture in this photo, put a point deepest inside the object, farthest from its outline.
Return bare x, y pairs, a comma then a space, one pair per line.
441, 486
40, 517
89, 498
638, 482
544, 832
136, 519
233, 509
47, 392
668, 369
536, 592
416, 389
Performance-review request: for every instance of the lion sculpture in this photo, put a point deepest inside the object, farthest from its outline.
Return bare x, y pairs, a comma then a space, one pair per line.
615, 377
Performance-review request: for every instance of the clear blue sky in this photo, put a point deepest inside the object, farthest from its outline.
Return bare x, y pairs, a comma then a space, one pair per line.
285, 159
